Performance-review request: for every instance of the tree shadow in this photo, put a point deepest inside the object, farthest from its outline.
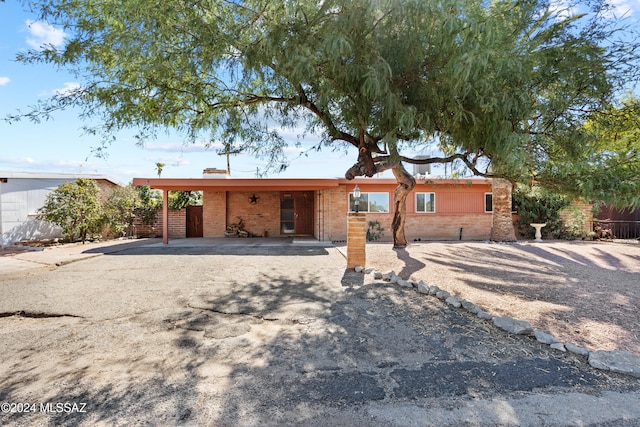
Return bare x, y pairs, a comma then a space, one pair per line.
570, 288
282, 348
411, 264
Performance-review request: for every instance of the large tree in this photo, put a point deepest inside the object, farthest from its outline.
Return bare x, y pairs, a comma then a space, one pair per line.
502, 87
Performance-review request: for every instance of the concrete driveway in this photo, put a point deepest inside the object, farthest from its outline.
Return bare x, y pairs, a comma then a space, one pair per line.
269, 334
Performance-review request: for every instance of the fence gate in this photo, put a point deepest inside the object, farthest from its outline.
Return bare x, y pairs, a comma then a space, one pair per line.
194, 221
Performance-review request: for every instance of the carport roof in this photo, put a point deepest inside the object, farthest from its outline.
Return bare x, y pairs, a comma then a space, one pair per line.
238, 184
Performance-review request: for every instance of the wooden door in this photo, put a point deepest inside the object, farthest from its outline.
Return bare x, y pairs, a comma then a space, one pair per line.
303, 208
296, 213
194, 221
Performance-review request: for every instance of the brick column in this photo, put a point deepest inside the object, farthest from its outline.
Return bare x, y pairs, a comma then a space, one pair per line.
502, 230
356, 240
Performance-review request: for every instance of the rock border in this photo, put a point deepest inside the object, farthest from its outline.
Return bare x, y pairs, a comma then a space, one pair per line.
619, 361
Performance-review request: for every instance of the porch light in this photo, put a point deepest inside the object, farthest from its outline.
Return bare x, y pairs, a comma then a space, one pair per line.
356, 197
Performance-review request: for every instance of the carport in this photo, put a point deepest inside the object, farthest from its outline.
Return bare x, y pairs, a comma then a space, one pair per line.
222, 198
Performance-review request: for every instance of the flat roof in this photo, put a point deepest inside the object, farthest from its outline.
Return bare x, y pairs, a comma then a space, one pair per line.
239, 184
282, 184
54, 175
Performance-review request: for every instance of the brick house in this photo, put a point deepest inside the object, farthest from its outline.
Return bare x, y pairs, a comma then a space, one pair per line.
437, 209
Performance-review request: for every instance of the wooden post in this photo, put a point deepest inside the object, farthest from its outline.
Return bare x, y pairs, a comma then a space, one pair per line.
165, 217
356, 239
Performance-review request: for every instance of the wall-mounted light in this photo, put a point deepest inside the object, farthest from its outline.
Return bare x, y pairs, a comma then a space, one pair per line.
356, 197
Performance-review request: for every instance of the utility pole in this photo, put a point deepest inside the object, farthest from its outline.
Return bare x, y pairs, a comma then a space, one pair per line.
227, 152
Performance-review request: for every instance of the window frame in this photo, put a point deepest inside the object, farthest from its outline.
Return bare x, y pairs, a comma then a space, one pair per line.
489, 193
425, 204
368, 202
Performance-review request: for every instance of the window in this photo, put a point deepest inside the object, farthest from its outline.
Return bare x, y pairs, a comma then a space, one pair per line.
425, 202
488, 202
370, 202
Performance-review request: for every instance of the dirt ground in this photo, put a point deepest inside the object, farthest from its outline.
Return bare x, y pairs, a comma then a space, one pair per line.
587, 293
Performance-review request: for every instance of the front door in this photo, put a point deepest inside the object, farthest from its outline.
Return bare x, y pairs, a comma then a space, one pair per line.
296, 213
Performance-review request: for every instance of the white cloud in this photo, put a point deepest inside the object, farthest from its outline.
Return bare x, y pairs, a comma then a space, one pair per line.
179, 147
68, 88
4, 80
621, 8
17, 161
562, 9
41, 34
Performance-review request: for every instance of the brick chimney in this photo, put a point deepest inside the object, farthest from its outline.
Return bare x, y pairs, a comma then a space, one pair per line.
215, 173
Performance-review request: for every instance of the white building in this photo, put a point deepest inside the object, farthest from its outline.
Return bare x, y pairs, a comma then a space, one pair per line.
23, 193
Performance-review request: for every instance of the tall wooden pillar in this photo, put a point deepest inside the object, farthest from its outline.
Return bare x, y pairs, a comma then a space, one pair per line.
165, 217
356, 240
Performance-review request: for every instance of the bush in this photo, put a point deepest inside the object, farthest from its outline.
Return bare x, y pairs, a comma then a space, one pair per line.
374, 231
76, 208
120, 210
536, 205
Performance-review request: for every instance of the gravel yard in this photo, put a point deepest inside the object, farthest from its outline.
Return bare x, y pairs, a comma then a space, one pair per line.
587, 293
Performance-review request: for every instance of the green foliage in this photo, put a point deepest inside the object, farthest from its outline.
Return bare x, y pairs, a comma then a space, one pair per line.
75, 207
182, 199
574, 224
537, 205
374, 231
502, 87
149, 203
120, 210
612, 173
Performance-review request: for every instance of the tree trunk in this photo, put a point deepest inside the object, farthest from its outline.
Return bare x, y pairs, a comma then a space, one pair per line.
406, 182
502, 229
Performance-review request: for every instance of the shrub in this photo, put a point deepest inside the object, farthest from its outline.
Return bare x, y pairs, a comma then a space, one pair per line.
76, 208
374, 231
536, 205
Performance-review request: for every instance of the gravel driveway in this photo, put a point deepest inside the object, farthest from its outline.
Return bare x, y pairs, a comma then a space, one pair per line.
228, 336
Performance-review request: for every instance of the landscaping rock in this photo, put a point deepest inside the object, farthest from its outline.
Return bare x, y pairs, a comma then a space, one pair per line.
404, 283
369, 270
443, 295
470, 307
377, 275
387, 275
576, 349
619, 361
514, 326
558, 346
358, 268
433, 290
394, 279
545, 338
484, 315
423, 288
454, 301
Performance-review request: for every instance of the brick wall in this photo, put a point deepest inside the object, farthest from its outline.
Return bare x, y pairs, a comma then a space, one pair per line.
262, 216
177, 224
457, 206
579, 211
214, 212
331, 214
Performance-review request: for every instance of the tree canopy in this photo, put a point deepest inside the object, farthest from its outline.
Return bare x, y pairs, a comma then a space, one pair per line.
504, 87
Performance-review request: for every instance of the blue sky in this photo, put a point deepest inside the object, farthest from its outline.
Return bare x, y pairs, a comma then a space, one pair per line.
59, 145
